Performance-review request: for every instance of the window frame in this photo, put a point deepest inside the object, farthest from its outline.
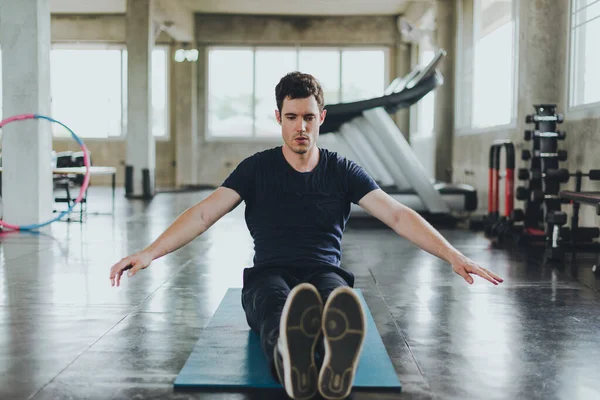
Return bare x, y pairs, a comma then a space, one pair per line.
415, 132
206, 98
122, 46
267, 140
463, 125
584, 110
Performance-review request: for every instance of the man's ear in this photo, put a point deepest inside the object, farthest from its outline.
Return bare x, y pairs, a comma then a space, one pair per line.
323, 113
278, 116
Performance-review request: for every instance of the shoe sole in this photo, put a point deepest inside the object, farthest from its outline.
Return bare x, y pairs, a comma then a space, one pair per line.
299, 330
344, 331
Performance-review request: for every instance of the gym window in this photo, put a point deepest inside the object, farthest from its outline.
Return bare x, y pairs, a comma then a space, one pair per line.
485, 75
584, 55
242, 80
88, 86
493, 63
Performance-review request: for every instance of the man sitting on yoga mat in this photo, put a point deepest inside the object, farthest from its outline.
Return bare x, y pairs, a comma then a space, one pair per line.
296, 296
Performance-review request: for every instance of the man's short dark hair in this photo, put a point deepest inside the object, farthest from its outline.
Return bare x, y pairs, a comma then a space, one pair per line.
297, 85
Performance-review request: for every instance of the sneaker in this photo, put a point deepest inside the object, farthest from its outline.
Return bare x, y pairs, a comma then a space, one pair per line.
344, 330
299, 330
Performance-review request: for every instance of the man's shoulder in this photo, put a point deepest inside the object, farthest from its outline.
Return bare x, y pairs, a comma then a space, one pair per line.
261, 156
267, 154
340, 164
249, 168
337, 159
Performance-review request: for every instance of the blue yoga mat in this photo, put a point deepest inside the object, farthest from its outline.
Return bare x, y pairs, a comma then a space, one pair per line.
228, 355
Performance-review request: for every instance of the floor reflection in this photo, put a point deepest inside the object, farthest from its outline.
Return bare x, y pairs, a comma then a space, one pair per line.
66, 333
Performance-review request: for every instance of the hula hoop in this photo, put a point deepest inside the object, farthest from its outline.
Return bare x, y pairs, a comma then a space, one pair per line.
86, 179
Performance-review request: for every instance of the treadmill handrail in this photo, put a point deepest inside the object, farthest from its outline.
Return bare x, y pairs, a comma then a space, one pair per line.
337, 114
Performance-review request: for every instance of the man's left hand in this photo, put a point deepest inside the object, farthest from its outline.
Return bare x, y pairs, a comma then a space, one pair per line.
464, 267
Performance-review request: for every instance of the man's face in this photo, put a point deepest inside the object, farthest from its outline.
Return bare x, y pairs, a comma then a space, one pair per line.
300, 120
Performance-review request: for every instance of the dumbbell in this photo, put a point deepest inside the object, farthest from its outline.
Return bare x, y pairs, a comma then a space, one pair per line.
518, 215
522, 193
560, 135
554, 251
538, 195
561, 175
551, 199
594, 174
555, 254
530, 119
556, 218
560, 154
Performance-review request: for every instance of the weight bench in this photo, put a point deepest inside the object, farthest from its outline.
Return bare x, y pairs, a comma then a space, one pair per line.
591, 198
581, 238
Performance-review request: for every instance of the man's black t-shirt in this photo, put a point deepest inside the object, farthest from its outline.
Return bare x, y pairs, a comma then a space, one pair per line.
297, 218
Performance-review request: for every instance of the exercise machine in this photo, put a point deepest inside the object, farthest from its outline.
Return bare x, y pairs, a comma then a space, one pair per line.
494, 223
366, 133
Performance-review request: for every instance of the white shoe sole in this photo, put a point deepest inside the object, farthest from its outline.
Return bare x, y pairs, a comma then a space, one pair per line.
299, 330
344, 330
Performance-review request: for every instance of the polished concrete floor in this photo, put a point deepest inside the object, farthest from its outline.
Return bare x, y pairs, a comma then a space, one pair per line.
65, 333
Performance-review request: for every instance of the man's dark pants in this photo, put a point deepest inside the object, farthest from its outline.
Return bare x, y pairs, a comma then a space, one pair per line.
265, 292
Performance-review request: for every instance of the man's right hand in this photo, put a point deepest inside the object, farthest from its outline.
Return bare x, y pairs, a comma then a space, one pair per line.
133, 263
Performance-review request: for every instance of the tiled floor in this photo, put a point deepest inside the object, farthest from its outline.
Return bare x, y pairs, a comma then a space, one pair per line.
66, 333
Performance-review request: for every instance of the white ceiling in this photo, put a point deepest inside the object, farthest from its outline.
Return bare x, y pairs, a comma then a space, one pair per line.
280, 7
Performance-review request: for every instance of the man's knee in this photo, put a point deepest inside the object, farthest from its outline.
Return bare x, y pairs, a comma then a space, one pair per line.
327, 283
262, 303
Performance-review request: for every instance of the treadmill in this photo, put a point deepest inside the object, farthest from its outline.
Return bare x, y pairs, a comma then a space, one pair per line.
365, 132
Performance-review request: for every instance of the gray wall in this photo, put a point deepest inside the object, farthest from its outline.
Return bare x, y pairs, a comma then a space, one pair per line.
542, 78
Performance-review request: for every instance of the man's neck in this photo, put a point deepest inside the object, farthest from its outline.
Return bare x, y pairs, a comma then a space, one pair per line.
302, 162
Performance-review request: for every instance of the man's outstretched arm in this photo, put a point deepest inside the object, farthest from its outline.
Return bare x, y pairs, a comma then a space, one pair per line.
409, 224
190, 224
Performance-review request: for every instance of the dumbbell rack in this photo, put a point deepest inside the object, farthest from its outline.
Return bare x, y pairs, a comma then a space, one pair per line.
543, 175
542, 216
541, 222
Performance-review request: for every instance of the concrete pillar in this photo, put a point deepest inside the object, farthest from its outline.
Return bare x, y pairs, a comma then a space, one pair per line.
201, 109
541, 57
403, 67
186, 132
141, 153
445, 21
26, 145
